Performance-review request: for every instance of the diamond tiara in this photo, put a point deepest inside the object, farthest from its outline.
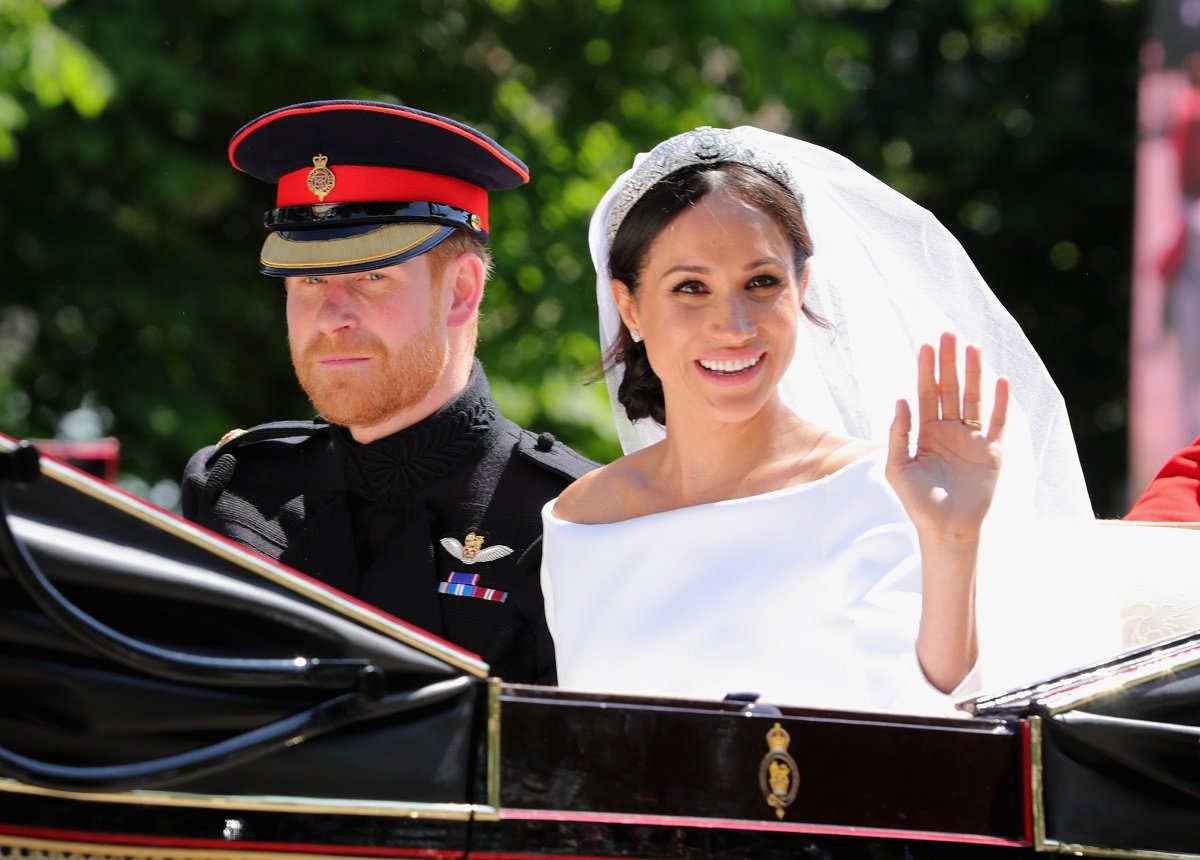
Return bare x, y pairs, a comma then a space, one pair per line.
703, 145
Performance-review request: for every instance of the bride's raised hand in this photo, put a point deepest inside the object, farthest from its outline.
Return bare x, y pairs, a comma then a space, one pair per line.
947, 486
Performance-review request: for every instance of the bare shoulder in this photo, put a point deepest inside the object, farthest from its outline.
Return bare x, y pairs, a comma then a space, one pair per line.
840, 453
605, 495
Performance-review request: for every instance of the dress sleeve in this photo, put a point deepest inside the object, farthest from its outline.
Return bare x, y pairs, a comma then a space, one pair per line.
886, 614
873, 562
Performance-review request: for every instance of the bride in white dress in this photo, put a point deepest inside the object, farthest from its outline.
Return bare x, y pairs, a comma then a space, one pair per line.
782, 523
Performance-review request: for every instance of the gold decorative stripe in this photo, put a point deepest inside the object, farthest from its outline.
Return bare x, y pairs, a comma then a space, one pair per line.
493, 742
265, 803
22, 848
1080, 850
1106, 682
1037, 791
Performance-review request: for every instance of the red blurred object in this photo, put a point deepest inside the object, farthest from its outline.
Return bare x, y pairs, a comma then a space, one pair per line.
99, 457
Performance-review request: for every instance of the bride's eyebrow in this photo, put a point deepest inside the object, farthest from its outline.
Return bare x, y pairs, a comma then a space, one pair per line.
689, 268
698, 269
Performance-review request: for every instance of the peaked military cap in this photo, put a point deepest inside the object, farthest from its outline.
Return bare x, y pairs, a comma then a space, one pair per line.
362, 185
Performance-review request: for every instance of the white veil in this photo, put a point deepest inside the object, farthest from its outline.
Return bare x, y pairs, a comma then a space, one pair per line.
887, 277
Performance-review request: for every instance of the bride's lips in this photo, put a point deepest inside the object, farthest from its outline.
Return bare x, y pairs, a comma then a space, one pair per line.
731, 370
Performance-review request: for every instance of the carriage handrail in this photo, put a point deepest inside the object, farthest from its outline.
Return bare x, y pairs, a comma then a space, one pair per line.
290, 730
21, 466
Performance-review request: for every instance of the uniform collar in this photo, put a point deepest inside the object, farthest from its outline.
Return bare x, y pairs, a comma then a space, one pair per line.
416, 457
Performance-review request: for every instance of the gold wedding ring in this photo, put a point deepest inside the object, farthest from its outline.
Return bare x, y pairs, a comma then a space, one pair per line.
972, 422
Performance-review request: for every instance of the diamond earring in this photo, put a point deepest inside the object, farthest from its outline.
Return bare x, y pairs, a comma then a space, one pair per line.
635, 335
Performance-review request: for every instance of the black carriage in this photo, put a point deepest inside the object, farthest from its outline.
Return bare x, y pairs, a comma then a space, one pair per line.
165, 693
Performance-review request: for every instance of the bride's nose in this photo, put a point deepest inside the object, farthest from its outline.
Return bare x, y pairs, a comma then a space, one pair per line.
733, 318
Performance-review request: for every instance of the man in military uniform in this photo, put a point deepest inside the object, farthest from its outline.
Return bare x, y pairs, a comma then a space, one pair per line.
411, 491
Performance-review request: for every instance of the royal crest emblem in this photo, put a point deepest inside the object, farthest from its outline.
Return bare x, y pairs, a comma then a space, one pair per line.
471, 550
321, 179
778, 775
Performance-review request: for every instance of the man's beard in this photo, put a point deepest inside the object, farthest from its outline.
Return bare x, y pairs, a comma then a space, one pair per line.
396, 381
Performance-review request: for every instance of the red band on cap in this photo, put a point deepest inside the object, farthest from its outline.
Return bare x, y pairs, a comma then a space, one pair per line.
359, 184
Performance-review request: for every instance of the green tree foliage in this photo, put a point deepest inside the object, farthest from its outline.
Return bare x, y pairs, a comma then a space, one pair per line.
39, 59
130, 244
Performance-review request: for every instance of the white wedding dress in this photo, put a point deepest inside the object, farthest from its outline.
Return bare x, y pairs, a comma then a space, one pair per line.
811, 596
808, 595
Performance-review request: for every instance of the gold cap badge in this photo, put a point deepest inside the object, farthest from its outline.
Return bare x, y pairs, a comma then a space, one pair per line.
321, 179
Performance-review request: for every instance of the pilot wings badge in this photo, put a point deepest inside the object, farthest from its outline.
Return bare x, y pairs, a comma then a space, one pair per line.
471, 549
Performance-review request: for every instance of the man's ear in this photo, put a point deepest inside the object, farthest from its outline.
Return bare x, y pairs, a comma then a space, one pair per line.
466, 277
623, 299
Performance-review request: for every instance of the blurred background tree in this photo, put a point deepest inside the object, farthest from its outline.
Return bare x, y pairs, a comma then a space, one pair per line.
130, 304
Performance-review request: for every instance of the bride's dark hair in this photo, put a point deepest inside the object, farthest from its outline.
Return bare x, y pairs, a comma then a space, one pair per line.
640, 391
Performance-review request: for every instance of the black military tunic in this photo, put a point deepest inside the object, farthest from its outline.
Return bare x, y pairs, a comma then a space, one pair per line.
438, 524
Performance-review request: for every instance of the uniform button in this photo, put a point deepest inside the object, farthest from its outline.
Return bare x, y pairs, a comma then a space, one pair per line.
545, 442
